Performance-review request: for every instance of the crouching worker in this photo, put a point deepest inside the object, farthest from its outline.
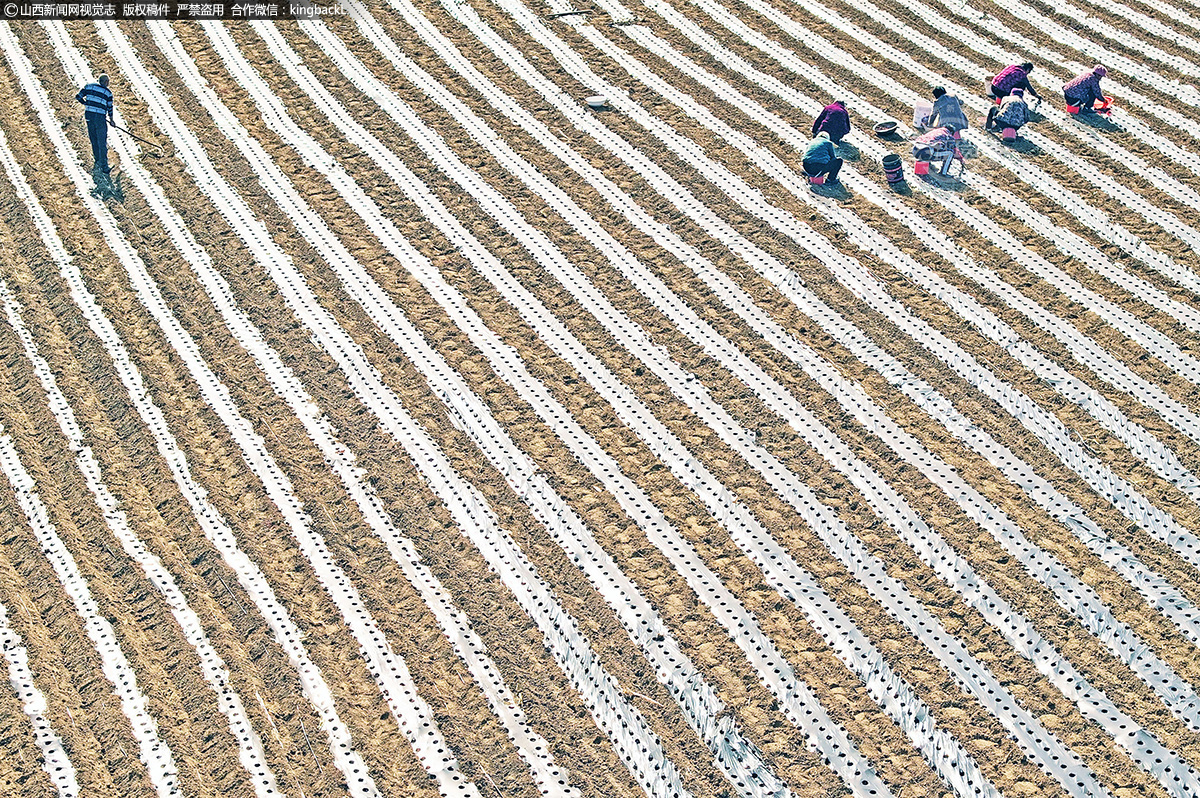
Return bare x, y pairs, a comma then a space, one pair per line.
947, 111
937, 144
1013, 112
1014, 76
1083, 91
820, 159
834, 119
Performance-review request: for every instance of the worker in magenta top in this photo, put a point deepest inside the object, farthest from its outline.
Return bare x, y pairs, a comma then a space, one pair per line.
1084, 90
834, 120
1014, 76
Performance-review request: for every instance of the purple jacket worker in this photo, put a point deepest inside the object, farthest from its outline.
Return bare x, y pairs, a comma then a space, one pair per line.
1014, 76
834, 120
1084, 90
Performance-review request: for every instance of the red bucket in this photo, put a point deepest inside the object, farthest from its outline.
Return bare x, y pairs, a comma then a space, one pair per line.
921, 168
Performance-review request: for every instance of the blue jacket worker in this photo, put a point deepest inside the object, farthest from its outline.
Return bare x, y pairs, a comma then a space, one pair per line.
819, 158
98, 113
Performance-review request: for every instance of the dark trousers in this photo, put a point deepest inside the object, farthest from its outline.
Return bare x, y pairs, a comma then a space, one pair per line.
97, 126
1085, 106
830, 170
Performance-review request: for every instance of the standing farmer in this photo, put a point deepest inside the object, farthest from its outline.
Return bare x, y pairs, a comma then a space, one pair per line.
98, 112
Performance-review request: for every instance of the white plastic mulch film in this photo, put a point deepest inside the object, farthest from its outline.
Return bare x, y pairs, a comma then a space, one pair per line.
616, 458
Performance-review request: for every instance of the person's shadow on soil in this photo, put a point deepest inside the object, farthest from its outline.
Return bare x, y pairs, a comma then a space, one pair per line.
108, 188
1025, 147
947, 182
1098, 122
848, 152
831, 190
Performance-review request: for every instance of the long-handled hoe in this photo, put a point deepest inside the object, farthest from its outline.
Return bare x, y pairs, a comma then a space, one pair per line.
136, 136
109, 185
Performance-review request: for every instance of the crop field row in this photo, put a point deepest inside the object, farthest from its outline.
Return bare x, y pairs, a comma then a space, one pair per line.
396, 423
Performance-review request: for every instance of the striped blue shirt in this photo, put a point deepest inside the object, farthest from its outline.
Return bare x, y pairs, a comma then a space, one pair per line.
96, 99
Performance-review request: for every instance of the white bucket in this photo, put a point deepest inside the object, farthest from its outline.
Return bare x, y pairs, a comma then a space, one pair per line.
596, 101
921, 113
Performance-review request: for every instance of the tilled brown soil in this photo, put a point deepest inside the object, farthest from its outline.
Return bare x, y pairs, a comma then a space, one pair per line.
82, 707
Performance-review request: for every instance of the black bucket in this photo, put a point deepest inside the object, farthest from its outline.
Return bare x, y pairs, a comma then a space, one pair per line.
893, 168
